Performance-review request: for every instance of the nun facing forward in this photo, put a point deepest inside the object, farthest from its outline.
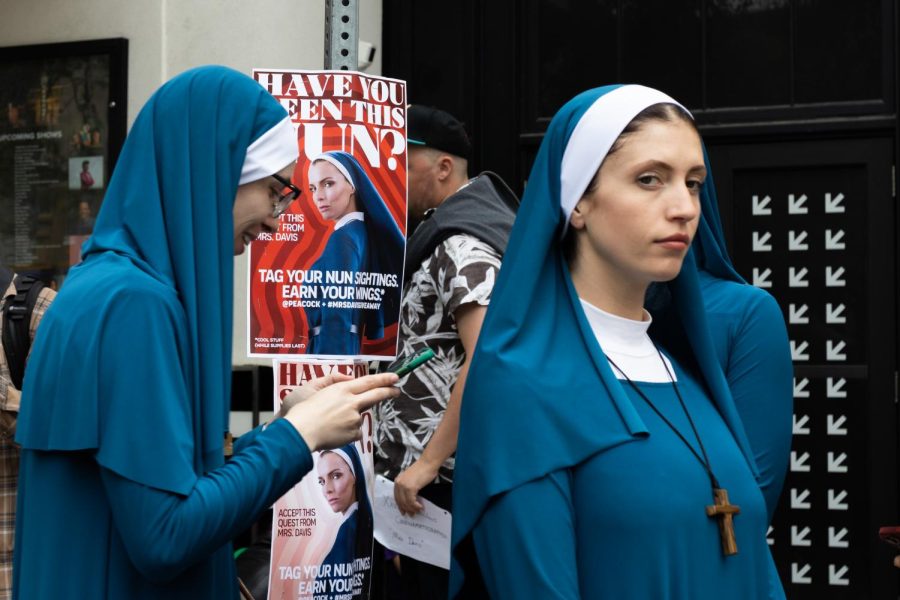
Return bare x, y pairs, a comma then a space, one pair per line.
601, 454
343, 482
365, 238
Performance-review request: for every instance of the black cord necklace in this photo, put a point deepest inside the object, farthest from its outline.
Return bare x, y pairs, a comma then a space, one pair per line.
723, 510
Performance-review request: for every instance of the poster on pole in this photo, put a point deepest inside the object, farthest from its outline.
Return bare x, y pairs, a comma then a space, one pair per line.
322, 529
327, 284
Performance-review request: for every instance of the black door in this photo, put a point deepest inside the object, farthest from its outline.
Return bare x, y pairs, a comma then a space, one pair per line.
813, 223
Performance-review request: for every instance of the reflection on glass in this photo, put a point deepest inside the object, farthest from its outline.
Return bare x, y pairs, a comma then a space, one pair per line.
738, 53
53, 139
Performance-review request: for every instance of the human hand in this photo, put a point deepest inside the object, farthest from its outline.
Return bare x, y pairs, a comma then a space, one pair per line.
897, 561
307, 391
408, 484
331, 417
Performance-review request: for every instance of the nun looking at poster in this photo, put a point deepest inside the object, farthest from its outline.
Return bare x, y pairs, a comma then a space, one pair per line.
366, 238
343, 483
601, 453
124, 489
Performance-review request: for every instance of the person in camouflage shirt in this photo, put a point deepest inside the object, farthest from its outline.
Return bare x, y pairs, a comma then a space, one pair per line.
453, 258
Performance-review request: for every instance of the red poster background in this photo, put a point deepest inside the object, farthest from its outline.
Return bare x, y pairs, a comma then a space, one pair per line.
371, 127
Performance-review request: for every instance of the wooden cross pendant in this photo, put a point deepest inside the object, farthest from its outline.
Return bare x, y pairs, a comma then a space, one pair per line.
723, 511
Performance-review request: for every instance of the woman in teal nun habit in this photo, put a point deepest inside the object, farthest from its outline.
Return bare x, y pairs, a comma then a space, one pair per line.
124, 492
601, 453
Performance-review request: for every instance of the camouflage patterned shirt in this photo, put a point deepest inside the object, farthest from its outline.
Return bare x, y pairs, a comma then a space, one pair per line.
460, 271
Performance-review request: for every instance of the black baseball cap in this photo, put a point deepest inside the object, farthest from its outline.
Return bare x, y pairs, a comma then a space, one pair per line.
435, 128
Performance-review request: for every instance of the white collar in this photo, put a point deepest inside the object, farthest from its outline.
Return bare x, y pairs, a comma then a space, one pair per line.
627, 343
618, 334
350, 510
354, 216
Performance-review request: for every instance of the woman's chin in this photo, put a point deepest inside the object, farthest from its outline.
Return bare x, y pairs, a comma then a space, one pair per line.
668, 271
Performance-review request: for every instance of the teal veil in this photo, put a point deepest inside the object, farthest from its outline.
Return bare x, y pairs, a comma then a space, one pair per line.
102, 377
540, 395
709, 245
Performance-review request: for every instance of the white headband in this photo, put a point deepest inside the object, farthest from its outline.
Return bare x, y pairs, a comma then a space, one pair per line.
595, 134
337, 164
344, 456
270, 152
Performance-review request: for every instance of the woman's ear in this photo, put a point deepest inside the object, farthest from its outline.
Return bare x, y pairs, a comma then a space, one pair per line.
576, 221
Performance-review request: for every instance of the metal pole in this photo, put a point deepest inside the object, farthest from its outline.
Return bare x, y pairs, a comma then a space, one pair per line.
342, 34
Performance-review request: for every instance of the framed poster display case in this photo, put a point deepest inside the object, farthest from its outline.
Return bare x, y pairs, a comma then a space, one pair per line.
62, 125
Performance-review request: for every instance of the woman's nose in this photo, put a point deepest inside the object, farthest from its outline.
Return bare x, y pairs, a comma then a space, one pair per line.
684, 205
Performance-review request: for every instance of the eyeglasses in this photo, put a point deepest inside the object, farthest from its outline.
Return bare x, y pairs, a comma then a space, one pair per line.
285, 199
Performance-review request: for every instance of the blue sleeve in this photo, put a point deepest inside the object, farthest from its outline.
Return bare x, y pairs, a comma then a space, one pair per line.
759, 372
164, 533
525, 541
243, 441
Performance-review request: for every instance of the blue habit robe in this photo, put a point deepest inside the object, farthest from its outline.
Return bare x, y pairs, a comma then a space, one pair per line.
628, 523
337, 330
751, 342
124, 492
342, 553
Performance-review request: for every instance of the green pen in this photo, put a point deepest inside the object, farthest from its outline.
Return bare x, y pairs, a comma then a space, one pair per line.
406, 364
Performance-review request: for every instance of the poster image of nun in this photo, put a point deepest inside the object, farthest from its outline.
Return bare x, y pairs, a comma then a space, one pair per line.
322, 529
327, 284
